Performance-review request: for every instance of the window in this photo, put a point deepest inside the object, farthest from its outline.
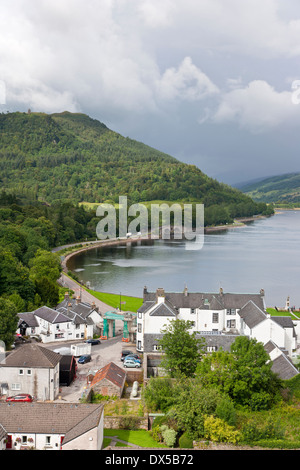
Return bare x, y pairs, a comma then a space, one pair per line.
139, 315
16, 387
139, 327
215, 317
231, 311
24, 439
21, 371
193, 310
28, 371
230, 323
48, 440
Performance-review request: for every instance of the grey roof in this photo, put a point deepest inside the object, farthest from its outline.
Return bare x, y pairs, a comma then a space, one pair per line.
213, 301
31, 355
164, 310
3, 433
284, 367
75, 317
145, 306
252, 314
72, 420
51, 315
29, 319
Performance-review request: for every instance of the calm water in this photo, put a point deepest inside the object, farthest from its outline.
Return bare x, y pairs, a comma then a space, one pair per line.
263, 255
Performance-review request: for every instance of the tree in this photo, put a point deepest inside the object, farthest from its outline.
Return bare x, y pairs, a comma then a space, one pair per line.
45, 264
8, 321
244, 373
182, 350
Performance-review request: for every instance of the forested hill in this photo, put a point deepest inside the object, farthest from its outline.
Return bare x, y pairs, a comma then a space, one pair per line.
283, 189
73, 157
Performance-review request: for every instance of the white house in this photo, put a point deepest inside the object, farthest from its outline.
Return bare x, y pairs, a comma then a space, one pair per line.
31, 369
51, 426
52, 325
218, 316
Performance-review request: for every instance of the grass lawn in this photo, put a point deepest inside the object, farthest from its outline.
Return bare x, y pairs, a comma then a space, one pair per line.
282, 313
138, 437
132, 303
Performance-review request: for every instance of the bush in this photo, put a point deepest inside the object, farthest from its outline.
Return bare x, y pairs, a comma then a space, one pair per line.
215, 429
225, 410
260, 401
169, 435
185, 442
252, 432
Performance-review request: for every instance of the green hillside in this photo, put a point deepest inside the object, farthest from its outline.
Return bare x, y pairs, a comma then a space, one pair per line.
72, 157
284, 189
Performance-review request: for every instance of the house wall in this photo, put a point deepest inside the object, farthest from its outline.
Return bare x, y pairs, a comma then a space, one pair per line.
42, 383
106, 387
91, 440
57, 332
39, 441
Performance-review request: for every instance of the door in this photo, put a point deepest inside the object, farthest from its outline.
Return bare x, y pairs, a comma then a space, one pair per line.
9, 442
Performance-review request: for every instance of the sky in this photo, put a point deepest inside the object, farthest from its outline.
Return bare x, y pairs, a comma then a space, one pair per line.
214, 83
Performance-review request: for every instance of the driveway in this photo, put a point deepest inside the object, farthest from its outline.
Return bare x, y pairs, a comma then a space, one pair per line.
108, 351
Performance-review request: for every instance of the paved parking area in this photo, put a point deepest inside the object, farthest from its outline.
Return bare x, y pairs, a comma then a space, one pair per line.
108, 351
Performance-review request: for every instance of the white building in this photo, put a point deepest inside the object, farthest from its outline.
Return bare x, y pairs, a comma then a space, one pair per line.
218, 316
31, 369
52, 325
51, 426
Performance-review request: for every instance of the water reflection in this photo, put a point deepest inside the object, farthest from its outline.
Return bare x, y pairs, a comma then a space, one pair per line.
265, 254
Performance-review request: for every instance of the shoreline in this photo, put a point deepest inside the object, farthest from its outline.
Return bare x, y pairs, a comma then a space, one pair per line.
240, 223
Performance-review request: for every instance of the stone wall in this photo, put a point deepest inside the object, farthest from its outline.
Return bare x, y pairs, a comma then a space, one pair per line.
117, 422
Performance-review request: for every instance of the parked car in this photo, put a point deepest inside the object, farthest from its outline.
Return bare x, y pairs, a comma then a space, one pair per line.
131, 363
125, 353
84, 359
93, 342
135, 357
22, 397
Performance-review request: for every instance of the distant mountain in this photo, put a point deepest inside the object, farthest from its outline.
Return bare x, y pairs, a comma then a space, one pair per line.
278, 189
72, 157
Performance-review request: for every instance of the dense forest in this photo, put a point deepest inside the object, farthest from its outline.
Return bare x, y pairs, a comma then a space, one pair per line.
28, 231
280, 189
71, 157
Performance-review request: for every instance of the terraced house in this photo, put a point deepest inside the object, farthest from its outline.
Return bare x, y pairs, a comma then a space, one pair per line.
219, 317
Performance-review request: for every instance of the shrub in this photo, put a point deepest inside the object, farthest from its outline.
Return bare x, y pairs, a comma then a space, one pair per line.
225, 410
217, 430
169, 435
185, 442
252, 432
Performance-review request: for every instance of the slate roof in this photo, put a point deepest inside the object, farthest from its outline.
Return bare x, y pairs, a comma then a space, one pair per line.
202, 300
252, 314
284, 367
29, 318
111, 372
31, 355
50, 315
164, 310
72, 420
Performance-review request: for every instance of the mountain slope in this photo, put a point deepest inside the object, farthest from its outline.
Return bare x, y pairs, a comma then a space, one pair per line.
281, 189
73, 157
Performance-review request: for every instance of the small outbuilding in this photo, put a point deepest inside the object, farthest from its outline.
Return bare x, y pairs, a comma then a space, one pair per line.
109, 380
67, 370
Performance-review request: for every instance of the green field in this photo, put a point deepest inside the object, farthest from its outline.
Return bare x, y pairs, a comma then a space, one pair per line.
131, 303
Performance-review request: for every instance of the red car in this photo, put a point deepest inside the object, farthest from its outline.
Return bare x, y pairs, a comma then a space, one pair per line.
23, 397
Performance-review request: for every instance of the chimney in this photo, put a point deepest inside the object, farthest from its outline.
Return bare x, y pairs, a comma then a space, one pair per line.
262, 292
185, 291
145, 292
160, 293
221, 290
66, 295
78, 299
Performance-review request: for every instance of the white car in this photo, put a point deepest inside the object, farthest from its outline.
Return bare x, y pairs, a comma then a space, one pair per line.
131, 363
